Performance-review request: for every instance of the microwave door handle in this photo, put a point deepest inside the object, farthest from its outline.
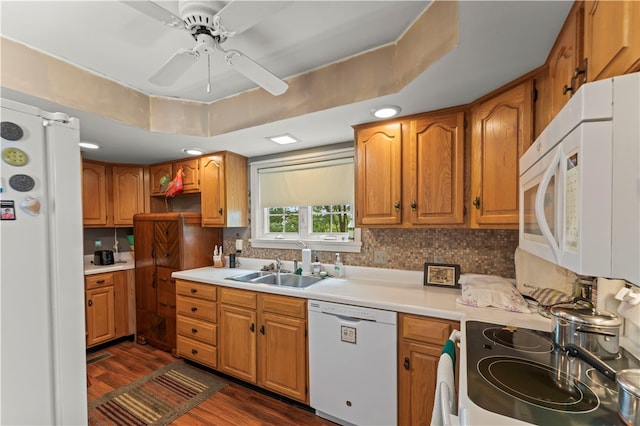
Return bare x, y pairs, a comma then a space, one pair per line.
539, 207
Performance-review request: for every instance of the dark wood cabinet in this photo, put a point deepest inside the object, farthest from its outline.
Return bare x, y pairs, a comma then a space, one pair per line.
165, 243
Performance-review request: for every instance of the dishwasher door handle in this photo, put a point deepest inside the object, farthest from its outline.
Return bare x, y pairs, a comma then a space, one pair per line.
349, 319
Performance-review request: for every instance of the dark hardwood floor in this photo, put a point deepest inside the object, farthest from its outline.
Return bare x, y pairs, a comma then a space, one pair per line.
235, 404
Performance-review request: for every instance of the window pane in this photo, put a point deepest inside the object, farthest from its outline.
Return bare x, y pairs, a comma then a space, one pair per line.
282, 219
331, 218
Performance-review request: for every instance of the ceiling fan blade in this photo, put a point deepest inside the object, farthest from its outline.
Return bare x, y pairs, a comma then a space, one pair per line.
238, 16
255, 72
177, 65
156, 12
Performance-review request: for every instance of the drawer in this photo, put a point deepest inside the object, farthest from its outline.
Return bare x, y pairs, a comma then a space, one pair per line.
98, 280
425, 329
201, 291
232, 296
197, 351
196, 308
283, 305
203, 331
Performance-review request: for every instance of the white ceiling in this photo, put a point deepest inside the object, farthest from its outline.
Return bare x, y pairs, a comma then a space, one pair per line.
498, 41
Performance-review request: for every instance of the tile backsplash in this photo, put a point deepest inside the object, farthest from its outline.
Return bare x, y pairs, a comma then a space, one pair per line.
475, 250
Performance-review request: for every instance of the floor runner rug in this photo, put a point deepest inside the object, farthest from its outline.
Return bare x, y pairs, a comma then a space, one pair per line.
156, 399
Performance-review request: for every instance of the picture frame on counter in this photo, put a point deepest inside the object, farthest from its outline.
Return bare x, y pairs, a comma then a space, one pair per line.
442, 275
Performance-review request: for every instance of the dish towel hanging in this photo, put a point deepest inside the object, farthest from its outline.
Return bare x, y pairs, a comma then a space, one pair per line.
445, 383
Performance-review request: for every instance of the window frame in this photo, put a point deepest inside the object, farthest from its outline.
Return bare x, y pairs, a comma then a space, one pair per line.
261, 239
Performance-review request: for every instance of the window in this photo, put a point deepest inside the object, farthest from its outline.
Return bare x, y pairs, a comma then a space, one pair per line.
304, 198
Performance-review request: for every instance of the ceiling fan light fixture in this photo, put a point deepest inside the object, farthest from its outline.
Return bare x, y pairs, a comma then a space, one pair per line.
283, 139
89, 145
386, 111
192, 151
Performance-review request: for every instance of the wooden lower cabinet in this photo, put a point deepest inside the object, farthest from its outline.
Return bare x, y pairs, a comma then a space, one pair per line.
420, 344
107, 304
197, 329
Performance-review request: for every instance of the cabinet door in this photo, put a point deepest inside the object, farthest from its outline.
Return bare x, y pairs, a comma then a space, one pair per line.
128, 194
282, 351
434, 170
157, 173
166, 242
612, 38
237, 346
417, 370
121, 303
564, 58
501, 133
213, 195
94, 194
100, 316
191, 178
378, 175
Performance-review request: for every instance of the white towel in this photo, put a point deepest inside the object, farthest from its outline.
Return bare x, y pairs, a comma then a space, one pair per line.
445, 374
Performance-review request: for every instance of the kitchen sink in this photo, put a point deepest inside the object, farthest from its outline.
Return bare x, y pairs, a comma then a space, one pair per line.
282, 279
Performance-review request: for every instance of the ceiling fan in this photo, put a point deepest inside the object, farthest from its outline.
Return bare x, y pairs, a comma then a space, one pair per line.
210, 29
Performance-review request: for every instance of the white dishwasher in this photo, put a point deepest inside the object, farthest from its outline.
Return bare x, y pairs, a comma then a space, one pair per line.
352, 363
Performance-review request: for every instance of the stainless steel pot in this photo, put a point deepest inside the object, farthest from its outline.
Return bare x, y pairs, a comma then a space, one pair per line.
582, 325
628, 384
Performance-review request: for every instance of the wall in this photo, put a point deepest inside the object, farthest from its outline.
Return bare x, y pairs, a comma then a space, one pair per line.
107, 236
476, 251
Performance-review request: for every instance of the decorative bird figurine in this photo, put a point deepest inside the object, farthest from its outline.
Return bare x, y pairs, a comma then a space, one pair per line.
175, 186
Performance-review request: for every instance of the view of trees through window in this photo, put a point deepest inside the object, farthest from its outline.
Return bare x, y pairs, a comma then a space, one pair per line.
325, 219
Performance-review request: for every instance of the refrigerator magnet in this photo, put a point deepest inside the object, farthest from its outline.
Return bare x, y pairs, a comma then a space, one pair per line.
11, 131
30, 205
22, 183
7, 209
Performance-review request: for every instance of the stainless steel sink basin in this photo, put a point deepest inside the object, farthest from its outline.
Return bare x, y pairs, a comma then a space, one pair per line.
288, 280
272, 278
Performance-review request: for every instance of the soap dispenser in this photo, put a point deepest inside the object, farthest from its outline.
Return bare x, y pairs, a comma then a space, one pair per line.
338, 269
316, 266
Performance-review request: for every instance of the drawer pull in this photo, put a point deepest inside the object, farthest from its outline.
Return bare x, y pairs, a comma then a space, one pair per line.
407, 364
262, 329
100, 282
194, 309
194, 352
90, 302
194, 291
253, 327
194, 330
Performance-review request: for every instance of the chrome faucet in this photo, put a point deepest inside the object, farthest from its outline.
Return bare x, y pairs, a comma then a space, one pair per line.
278, 264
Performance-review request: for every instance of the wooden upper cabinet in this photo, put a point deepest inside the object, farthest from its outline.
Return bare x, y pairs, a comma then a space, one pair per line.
223, 190
378, 174
191, 178
434, 170
157, 172
565, 63
94, 194
501, 133
128, 194
612, 38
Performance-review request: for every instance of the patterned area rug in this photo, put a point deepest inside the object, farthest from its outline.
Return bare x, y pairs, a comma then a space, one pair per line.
156, 399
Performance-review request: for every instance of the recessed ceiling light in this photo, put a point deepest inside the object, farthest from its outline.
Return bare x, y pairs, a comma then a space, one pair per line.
88, 145
386, 111
283, 139
192, 151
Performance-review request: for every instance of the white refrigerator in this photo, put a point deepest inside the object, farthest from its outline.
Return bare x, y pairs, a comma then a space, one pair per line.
42, 326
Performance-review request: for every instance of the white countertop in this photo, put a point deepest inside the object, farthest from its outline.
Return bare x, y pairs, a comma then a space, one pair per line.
123, 260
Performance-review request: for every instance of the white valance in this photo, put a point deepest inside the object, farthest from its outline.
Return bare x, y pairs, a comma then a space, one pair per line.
308, 184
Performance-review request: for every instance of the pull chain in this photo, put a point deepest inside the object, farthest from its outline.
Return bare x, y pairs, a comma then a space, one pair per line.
209, 74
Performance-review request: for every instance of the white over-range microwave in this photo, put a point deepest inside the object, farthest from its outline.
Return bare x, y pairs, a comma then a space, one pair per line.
580, 183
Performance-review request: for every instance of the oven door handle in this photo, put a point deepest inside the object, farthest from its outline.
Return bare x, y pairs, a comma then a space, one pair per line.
444, 408
539, 206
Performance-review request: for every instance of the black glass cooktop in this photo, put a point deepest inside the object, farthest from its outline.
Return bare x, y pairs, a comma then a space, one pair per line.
518, 373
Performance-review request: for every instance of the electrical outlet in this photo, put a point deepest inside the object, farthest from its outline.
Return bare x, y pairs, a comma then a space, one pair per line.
380, 257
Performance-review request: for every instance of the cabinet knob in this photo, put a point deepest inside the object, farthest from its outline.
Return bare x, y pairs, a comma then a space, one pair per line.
413, 205
407, 364
220, 211
194, 330
90, 302
262, 329
397, 205
253, 327
167, 254
194, 309
194, 291
194, 352
567, 89
100, 282
476, 202
164, 279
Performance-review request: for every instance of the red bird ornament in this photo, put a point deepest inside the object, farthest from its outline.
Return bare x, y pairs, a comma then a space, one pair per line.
175, 186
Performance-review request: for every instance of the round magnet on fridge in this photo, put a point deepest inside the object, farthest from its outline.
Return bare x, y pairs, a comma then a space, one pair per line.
22, 183
11, 131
